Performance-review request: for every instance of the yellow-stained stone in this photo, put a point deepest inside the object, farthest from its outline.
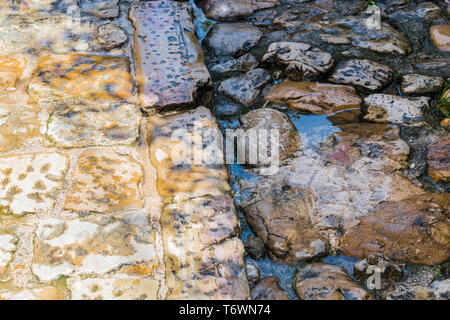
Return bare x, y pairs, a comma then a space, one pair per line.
43, 293
81, 77
186, 150
94, 125
105, 181
95, 245
30, 182
115, 289
11, 68
203, 254
7, 248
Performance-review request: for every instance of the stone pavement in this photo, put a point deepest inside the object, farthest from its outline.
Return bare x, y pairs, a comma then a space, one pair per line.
92, 204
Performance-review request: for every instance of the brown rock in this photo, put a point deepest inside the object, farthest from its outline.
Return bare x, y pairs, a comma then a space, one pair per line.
414, 230
231, 9
169, 60
268, 289
317, 98
438, 160
440, 35
110, 36
255, 247
321, 281
283, 222
419, 84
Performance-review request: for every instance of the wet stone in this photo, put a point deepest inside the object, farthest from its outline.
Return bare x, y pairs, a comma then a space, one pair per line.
11, 69
203, 255
321, 281
232, 9
243, 64
110, 36
30, 182
81, 77
438, 160
7, 248
169, 60
440, 35
414, 230
41, 293
283, 222
186, 150
114, 289
300, 60
255, 247
363, 73
253, 274
232, 39
395, 109
268, 289
245, 89
101, 8
92, 246
420, 84
106, 124
317, 98
105, 181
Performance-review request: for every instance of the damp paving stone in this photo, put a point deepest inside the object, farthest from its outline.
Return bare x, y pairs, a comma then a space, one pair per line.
101, 8
438, 164
187, 151
105, 181
95, 245
169, 60
107, 124
420, 84
232, 9
81, 77
114, 289
30, 182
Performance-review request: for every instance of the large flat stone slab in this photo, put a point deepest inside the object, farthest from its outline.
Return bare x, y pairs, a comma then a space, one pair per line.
39, 293
30, 182
92, 246
232, 9
169, 60
105, 181
81, 77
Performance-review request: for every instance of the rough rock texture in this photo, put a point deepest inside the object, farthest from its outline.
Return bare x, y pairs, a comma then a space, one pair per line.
42, 293
110, 36
300, 60
268, 289
11, 69
92, 246
440, 35
321, 281
94, 125
231, 9
395, 109
414, 230
317, 98
30, 182
285, 226
438, 160
81, 77
101, 8
232, 39
105, 181
243, 64
255, 247
246, 88
363, 73
7, 249
419, 84
266, 119
169, 60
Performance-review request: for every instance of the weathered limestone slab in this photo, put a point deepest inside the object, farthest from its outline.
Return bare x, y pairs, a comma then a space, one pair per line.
231, 9
203, 255
42, 293
187, 166
317, 98
364, 73
31, 7
101, 8
105, 181
114, 289
395, 109
438, 160
29, 182
11, 68
414, 230
92, 246
300, 60
440, 35
7, 247
420, 84
169, 60
81, 77
94, 125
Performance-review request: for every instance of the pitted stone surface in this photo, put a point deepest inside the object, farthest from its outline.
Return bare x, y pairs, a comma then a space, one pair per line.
420, 84
94, 125
81, 77
300, 60
105, 181
169, 60
231, 9
114, 289
367, 74
438, 160
92, 246
7, 248
30, 182
187, 166
101, 8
